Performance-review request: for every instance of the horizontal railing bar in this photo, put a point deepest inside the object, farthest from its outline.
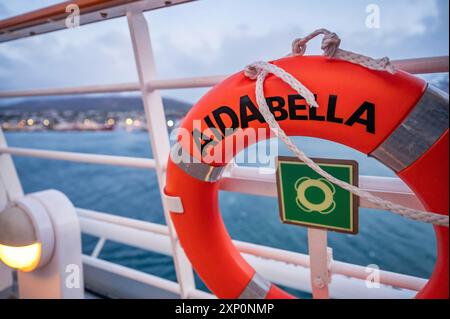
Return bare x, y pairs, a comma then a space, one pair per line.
183, 83
123, 221
53, 18
125, 231
247, 180
133, 274
142, 239
414, 66
299, 278
135, 162
254, 181
143, 277
186, 83
337, 267
199, 294
286, 274
88, 89
438, 64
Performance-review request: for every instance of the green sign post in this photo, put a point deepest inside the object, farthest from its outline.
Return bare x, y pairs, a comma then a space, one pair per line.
308, 199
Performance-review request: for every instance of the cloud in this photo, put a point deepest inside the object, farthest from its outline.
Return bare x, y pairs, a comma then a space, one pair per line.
4, 11
232, 53
49, 62
421, 31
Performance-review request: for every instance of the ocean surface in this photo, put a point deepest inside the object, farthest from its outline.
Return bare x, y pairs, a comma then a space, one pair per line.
389, 241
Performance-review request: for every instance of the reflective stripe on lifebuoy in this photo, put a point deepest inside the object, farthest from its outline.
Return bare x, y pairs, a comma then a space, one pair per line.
395, 118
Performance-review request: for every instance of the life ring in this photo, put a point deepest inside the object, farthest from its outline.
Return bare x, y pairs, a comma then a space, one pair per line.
395, 118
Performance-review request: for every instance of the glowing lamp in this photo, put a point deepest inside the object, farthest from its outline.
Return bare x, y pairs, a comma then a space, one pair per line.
26, 235
25, 258
40, 236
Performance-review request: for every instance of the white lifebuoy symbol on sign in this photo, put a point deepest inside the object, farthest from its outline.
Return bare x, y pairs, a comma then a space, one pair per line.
326, 206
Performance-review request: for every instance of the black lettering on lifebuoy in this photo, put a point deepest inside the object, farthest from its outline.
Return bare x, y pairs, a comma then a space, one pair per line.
201, 141
225, 110
214, 130
313, 116
369, 121
247, 104
294, 107
278, 110
331, 111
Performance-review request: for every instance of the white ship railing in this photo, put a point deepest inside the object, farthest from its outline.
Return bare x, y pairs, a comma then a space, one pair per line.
283, 267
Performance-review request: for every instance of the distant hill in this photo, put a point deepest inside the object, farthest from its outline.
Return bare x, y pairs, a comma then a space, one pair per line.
87, 103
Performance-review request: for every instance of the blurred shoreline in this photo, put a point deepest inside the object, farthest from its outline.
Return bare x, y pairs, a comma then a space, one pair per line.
100, 113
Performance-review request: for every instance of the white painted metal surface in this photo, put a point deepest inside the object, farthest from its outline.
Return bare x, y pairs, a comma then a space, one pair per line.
127, 235
6, 278
98, 247
34, 25
3, 196
159, 138
337, 267
437, 64
150, 237
8, 173
10, 189
140, 276
62, 276
133, 274
318, 256
124, 221
341, 287
247, 180
135, 162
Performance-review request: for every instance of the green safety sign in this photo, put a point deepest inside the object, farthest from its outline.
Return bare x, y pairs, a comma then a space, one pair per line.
308, 199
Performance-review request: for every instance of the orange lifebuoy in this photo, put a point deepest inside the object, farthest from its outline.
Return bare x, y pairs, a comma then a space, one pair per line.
396, 118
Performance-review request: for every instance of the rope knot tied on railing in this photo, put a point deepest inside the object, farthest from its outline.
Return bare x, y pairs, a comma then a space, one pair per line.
330, 47
259, 70
330, 43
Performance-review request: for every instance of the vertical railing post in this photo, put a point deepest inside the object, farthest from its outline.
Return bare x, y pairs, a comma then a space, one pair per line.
159, 137
10, 189
320, 258
8, 173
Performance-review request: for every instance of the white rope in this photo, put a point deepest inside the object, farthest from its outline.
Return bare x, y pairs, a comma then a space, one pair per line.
260, 70
330, 47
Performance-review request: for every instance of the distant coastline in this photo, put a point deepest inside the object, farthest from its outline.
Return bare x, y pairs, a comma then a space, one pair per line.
86, 113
